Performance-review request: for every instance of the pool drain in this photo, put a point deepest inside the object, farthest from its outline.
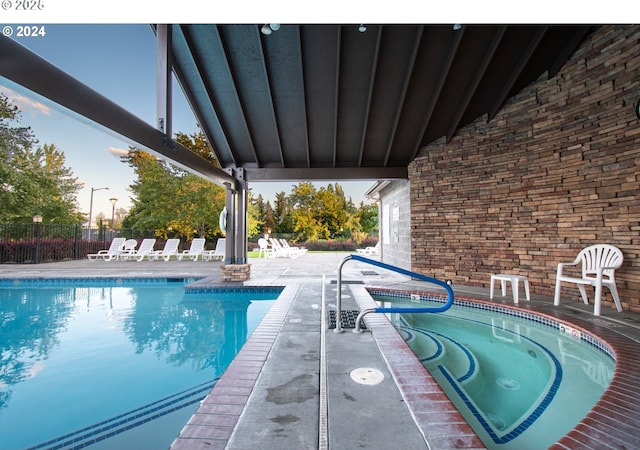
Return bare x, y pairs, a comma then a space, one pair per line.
366, 375
508, 383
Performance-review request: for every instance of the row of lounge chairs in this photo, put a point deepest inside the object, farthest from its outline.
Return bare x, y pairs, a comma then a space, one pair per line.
369, 251
127, 249
276, 248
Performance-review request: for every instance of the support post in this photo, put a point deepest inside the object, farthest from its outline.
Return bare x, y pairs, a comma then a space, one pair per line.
236, 267
241, 219
163, 79
229, 249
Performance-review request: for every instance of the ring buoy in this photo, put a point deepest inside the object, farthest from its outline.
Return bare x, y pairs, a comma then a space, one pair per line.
222, 221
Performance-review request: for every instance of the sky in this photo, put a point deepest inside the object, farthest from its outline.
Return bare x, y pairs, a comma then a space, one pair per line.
118, 61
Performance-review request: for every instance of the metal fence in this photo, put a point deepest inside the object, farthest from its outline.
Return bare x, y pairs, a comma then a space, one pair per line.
38, 242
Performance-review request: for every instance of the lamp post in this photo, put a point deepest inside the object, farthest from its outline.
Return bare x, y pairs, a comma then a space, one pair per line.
37, 220
113, 201
91, 207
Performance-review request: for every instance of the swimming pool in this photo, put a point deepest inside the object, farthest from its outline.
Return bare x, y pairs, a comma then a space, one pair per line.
114, 363
520, 380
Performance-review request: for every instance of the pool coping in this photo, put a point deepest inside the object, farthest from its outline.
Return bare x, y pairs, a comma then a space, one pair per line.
212, 425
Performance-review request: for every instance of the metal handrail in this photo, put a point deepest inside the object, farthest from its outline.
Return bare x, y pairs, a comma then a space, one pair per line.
373, 262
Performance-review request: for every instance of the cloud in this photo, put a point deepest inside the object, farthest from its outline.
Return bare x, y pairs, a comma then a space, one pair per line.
118, 152
25, 104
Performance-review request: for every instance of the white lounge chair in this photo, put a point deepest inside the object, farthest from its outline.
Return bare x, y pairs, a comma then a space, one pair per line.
218, 253
369, 251
599, 263
293, 252
278, 250
145, 249
112, 253
170, 249
195, 251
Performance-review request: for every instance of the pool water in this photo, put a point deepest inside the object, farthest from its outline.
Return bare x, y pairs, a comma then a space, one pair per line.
118, 364
519, 383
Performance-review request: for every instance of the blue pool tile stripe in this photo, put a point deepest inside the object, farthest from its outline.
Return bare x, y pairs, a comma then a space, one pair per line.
269, 290
93, 281
455, 384
432, 335
530, 419
123, 422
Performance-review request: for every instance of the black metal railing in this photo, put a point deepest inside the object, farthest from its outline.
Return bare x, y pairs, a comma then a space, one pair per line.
38, 242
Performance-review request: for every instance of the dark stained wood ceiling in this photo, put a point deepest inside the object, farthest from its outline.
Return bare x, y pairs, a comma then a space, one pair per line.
329, 101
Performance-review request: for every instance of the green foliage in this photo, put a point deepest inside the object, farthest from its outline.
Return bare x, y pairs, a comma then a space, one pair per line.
172, 201
177, 203
255, 223
321, 214
32, 181
197, 143
282, 214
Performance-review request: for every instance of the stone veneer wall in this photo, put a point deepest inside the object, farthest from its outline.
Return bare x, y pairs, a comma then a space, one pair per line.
556, 170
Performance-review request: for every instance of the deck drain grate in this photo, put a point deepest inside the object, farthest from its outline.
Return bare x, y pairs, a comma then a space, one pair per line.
369, 272
348, 282
349, 317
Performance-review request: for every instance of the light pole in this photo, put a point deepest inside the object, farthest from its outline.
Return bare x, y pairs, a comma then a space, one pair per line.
113, 201
37, 220
91, 206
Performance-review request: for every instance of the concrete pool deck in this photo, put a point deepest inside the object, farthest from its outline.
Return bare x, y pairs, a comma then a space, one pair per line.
291, 386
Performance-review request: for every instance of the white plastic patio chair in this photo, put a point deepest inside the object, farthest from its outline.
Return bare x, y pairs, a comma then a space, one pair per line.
264, 249
128, 250
599, 263
195, 250
111, 253
170, 249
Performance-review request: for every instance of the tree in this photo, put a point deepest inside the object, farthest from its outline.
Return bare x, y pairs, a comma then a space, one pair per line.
175, 202
48, 186
363, 221
332, 209
172, 201
269, 218
33, 181
282, 216
368, 215
255, 222
264, 214
197, 143
307, 223
14, 139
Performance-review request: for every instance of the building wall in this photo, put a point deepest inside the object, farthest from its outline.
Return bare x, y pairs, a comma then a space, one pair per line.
556, 170
395, 224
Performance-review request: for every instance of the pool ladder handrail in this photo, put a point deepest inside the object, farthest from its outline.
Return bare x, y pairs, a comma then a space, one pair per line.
373, 262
